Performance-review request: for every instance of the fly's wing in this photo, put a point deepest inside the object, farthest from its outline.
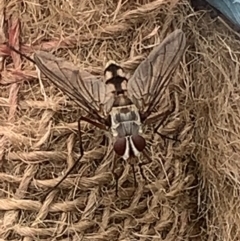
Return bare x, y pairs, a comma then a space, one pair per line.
151, 78
88, 91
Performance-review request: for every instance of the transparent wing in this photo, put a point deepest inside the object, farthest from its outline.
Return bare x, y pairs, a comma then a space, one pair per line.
88, 91
149, 81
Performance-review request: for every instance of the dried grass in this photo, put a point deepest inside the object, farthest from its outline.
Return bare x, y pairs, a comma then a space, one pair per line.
193, 187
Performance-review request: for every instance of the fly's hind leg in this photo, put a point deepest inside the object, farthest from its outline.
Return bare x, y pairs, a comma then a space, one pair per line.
168, 108
163, 116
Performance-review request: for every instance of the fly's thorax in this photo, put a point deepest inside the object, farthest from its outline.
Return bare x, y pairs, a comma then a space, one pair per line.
125, 121
129, 146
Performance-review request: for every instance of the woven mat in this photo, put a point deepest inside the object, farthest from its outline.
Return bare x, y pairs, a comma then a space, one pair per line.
192, 186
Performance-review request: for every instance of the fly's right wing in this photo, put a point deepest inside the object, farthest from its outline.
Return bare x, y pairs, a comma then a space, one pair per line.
88, 91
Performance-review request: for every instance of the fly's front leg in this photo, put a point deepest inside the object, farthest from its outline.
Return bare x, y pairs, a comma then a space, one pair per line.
140, 165
82, 118
117, 173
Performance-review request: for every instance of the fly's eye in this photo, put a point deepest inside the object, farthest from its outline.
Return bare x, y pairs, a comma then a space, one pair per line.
139, 142
120, 146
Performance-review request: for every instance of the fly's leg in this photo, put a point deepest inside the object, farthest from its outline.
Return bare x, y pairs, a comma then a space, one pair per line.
166, 114
140, 165
117, 172
97, 124
116, 178
134, 175
163, 117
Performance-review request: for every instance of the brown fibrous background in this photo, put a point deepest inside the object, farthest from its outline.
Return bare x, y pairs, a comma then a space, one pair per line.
191, 191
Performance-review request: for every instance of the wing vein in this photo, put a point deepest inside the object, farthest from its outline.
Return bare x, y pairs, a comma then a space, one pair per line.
149, 82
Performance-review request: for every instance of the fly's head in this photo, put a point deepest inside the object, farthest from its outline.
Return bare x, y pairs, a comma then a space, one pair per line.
129, 146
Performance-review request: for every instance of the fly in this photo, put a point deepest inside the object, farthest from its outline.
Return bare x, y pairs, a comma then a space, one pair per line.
118, 104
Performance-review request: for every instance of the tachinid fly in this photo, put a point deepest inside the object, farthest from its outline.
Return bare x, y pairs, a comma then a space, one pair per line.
118, 104
125, 118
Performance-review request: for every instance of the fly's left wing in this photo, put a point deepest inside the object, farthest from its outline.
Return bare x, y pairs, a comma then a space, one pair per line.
88, 91
151, 78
